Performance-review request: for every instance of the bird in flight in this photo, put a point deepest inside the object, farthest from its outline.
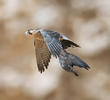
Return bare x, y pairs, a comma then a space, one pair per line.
47, 43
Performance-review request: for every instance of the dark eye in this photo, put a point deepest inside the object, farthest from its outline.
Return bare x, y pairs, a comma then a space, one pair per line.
29, 32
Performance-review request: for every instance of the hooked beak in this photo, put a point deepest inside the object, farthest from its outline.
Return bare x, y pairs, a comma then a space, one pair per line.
31, 32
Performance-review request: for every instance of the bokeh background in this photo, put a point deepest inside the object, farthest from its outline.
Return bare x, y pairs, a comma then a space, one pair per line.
86, 22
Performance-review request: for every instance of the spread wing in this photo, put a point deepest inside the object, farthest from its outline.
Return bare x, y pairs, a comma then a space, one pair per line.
60, 40
52, 42
66, 42
55, 47
42, 52
56, 41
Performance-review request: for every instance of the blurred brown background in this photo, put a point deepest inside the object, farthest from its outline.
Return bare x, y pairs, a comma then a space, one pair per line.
86, 22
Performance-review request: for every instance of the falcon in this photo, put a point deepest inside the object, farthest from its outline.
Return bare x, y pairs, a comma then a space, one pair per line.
47, 43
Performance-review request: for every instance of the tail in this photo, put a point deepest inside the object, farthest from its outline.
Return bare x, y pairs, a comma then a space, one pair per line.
68, 60
78, 62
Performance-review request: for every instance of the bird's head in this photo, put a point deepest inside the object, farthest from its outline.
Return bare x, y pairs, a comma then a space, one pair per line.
32, 32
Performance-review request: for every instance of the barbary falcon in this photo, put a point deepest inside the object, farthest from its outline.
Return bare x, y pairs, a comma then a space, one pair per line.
47, 43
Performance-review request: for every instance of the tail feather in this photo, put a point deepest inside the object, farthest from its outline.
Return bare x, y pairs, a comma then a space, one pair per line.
78, 62
68, 60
